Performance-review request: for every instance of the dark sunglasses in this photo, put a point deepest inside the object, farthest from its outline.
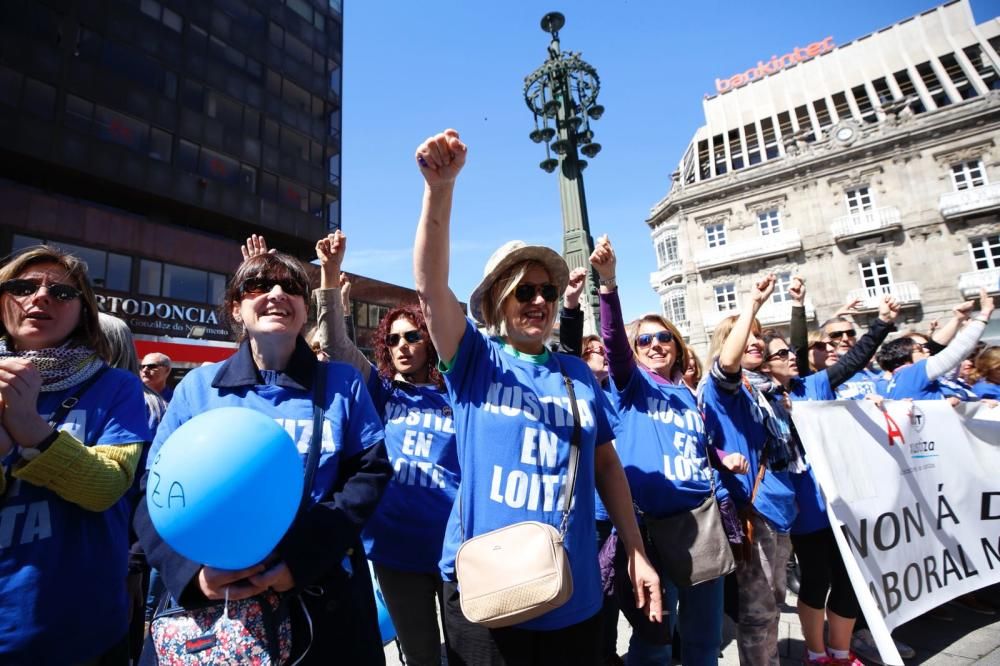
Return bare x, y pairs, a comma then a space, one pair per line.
257, 286
21, 288
411, 337
526, 292
588, 352
836, 335
646, 339
150, 366
783, 354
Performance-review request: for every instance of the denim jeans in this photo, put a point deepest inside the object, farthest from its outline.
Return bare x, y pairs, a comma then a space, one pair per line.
700, 623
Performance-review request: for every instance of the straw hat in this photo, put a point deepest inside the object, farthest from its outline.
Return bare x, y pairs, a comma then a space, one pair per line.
510, 254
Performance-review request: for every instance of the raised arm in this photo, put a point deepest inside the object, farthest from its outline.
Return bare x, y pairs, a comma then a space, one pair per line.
621, 362
964, 342
736, 342
331, 329
440, 159
799, 336
861, 353
571, 315
942, 335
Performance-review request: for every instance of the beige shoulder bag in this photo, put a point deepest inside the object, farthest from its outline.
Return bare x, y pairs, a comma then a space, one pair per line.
519, 572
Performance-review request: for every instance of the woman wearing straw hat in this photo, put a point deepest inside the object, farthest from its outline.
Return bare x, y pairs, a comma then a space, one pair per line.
514, 424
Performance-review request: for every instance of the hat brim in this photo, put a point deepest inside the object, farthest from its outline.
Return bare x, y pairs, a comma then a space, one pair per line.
553, 262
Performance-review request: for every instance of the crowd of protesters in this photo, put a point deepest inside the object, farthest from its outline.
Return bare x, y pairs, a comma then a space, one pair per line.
457, 426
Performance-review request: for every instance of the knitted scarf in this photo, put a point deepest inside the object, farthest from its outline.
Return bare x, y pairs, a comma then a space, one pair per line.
770, 410
61, 367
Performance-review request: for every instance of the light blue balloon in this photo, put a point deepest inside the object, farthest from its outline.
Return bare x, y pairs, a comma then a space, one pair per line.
385, 627
225, 487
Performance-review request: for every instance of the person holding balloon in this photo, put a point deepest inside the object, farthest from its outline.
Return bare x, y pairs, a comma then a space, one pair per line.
319, 557
65, 468
511, 398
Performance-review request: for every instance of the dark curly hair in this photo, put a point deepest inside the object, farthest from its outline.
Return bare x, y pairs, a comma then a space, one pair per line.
383, 355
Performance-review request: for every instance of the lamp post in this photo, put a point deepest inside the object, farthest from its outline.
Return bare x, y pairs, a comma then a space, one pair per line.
562, 96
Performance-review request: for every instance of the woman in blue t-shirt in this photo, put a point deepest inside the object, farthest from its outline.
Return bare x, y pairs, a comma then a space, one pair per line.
742, 421
514, 425
65, 468
663, 446
403, 539
825, 590
918, 375
320, 556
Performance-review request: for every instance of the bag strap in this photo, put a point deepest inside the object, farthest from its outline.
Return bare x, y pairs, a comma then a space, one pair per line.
316, 441
71, 401
574, 450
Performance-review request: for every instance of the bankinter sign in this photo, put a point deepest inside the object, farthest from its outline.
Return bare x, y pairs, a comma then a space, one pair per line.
775, 64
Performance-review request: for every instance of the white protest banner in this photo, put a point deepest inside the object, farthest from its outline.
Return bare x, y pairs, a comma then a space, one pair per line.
913, 493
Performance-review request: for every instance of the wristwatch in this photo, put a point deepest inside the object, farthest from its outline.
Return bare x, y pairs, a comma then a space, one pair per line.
29, 453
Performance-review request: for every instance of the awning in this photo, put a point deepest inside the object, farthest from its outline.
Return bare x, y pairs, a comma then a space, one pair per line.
185, 353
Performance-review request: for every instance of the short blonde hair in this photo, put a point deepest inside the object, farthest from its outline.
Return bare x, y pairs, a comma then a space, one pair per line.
632, 330
501, 290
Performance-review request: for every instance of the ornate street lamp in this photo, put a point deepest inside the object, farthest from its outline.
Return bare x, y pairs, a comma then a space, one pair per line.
562, 96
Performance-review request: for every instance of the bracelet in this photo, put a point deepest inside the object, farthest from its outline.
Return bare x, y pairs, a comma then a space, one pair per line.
609, 282
981, 319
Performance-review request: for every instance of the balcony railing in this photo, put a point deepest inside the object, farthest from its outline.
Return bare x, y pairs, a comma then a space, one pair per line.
669, 271
970, 283
903, 292
969, 201
771, 245
772, 313
866, 222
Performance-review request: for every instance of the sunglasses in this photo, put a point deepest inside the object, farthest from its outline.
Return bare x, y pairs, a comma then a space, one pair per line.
588, 352
646, 339
783, 354
20, 288
257, 286
526, 292
836, 335
924, 348
411, 337
151, 366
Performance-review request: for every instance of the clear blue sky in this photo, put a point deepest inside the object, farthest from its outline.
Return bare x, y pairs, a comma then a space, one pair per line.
412, 69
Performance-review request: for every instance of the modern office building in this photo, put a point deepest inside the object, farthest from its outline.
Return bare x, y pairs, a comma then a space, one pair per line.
152, 136
868, 168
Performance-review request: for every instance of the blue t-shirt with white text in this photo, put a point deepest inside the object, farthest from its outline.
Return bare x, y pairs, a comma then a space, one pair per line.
662, 445
407, 529
63, 567
730, 417
514, 424
911, 381
863, 383
350, 424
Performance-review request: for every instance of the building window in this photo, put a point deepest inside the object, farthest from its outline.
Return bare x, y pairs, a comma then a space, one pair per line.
875, 273
725, 297
934, 87
675, 306
858, 200
666, 249
106, 269
180, 282
769, 222
715, 234
968, 174
985, 252
782, 283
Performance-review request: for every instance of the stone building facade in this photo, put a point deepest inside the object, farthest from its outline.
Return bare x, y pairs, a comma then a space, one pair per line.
867, 168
